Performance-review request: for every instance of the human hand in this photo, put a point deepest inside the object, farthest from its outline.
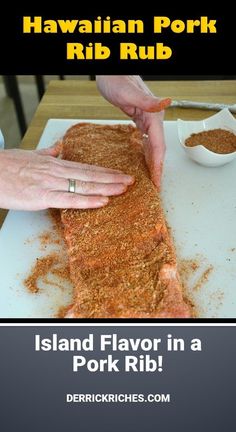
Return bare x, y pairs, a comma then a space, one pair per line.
132, 96
36, 180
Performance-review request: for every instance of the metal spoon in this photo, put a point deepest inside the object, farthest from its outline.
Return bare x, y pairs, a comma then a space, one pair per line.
202, 105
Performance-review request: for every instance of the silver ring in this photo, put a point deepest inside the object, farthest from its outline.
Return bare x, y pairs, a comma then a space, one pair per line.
72, 185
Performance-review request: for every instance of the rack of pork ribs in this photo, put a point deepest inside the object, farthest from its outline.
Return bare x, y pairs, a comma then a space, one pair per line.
122, 259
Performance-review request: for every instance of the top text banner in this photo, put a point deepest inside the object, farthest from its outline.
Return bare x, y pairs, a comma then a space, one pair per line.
154, 44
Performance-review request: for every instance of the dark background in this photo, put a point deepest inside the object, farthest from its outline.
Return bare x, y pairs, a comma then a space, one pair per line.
34, 384
193, 54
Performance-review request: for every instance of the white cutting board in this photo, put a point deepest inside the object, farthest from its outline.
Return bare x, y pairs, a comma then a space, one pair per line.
200, 205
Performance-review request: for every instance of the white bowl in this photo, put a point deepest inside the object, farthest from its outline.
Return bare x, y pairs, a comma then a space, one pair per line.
222, 120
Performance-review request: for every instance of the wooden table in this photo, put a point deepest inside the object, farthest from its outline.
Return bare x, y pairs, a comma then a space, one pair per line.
80, 99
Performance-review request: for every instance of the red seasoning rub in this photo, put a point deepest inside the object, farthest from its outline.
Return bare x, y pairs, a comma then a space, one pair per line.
40, 269
122, 260
217, 140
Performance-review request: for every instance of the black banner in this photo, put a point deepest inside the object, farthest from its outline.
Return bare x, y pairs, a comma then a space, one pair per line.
161, 42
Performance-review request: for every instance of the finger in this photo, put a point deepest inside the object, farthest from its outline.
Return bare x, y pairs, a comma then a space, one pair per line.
54, 150
86, 188
161, 106
91, 175
158, 178
104, 189
156, 175
101, 169
85, 166
73, 200
158, 104
147, 102
155, 167
155, 150
153, 104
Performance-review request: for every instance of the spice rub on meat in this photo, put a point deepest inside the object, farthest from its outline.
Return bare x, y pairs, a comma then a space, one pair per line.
122, 260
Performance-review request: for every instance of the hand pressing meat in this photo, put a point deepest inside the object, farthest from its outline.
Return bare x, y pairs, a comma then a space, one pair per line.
131, 95
36, 180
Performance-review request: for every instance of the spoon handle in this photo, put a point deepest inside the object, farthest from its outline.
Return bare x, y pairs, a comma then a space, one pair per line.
202, 105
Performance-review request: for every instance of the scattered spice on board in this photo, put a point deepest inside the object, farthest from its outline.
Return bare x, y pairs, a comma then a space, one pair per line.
203, 279
46, 238
216, 140
54, 264
187, 267
41, 267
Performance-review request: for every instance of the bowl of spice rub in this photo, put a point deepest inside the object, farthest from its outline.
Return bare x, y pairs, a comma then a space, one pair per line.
210, 142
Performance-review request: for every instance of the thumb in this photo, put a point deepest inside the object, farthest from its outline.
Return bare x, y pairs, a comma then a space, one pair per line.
146, 102
160, 105
54, 150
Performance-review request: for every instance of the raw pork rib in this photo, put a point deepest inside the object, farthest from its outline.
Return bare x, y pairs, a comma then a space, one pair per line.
122, 260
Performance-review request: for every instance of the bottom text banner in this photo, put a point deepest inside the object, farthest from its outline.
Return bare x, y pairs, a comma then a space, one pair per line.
117, 377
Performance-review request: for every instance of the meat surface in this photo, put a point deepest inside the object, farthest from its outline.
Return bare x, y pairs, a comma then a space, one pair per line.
122, 260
